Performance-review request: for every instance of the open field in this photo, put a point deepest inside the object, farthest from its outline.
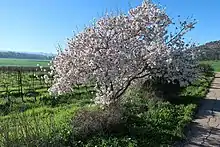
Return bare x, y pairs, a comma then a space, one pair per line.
22, 62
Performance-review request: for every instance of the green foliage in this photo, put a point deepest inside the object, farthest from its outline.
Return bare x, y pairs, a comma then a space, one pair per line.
206, 69
154, 122
10, 108
161, 88
214, 63
162, 122
63, 121
41, 126
80, 97
199, 88
109, 142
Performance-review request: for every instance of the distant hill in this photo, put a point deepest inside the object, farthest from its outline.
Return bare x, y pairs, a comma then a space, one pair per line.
22, 55
210, 50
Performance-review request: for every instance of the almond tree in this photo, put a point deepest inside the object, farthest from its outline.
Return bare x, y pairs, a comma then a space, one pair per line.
118, 51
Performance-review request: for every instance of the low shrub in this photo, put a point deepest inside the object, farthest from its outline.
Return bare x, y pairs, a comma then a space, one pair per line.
90, 122
161, 88
155, 122
206, 69
199, 88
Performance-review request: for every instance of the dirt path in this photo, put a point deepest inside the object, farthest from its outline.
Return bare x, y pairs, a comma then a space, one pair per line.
205, 129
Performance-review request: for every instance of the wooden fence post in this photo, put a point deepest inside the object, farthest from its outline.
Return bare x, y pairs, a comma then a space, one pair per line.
20, 83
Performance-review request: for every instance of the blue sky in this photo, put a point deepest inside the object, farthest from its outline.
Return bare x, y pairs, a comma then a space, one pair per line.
40, 25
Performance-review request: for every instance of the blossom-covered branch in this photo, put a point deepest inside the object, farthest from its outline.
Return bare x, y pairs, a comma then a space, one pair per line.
118, 50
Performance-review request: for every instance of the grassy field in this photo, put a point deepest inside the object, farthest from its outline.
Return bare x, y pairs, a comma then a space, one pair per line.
50, 121
22, 62
214, 64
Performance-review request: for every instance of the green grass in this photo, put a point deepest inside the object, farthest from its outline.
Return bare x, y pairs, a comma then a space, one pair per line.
48, 121
22, 62
215, 64
37, 127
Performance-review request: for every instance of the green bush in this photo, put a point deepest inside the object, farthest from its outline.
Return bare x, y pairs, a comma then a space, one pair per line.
206, 69
199, 88
157, 123
161, 88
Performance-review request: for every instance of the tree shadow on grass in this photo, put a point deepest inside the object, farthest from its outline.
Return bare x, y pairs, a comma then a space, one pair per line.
185, 100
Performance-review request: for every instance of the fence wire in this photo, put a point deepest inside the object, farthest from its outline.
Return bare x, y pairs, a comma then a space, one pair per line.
20, 83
